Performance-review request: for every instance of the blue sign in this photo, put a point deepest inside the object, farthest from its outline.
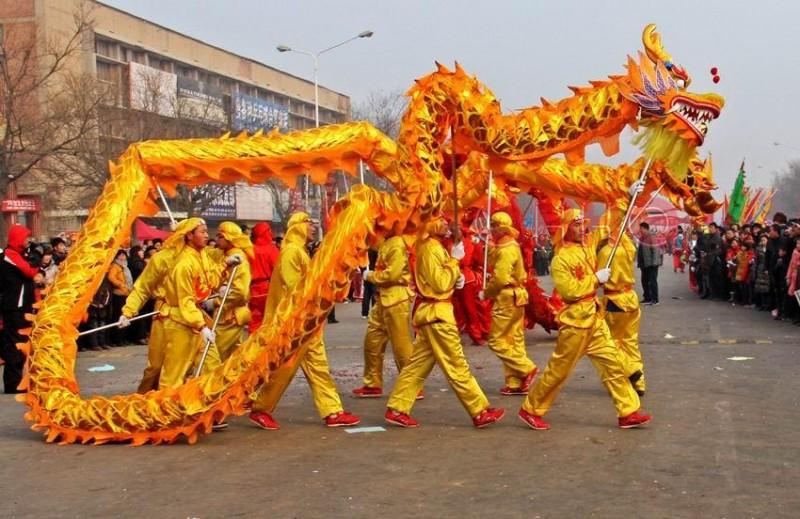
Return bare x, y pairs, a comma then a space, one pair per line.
253, 114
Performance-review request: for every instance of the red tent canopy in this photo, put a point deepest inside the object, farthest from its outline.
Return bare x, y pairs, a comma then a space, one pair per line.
148, 232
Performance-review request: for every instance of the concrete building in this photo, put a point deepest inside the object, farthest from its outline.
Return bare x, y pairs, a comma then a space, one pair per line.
163, 84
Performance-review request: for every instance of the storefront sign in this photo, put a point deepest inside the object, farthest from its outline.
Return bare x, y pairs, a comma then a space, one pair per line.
16, 205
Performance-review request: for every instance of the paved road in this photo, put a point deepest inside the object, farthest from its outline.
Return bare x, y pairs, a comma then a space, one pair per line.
723, 442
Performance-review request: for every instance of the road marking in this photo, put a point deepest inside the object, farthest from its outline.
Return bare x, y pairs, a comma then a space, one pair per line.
354, 430
726, 341
763, 341
690, 343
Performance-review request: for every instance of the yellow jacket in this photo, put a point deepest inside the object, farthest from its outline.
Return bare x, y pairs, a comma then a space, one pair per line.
191, 281
236, 308
619, 287
149, 284
507, 284
116, 277
291, 267
573, 269
435, 274
392, 274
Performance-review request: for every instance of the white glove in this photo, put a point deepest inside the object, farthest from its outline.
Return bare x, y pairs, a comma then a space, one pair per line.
602, 275
481, 295
223, 289
460, 282
636, 188
208, 335
233, 259
458, 251
173, 225
123, 322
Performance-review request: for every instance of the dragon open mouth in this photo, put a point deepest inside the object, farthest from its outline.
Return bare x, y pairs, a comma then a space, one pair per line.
695, 114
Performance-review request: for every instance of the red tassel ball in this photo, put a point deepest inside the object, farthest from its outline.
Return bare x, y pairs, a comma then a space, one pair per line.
714, 71
715, 79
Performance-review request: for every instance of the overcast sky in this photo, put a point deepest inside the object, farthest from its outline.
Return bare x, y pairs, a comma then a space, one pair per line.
526, 49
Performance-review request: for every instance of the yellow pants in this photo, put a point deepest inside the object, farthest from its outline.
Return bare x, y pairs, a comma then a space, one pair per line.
229, 336
182, 350
624, 328
573, 343
386, 324
437, 343
155, 357
507, 341
314, 362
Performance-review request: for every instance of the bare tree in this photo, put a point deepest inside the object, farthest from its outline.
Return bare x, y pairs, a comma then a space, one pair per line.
46, 108
787, 189
385, 111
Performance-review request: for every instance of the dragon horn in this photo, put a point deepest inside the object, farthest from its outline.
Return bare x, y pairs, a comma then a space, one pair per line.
655, 51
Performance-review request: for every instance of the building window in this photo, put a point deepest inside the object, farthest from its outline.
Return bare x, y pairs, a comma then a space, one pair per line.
105, 48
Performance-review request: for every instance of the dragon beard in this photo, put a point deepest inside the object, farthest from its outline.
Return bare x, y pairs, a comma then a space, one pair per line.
658, 143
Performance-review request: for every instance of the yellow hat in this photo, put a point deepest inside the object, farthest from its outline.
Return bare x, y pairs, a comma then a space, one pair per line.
568, 217
233, 233
298, 218
176, 239
501, 221
437, 225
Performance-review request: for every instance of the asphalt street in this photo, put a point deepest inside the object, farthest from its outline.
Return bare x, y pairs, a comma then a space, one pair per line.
723, 389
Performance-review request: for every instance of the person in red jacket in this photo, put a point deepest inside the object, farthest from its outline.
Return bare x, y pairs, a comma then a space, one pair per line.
266, 256
465, 300
16, 283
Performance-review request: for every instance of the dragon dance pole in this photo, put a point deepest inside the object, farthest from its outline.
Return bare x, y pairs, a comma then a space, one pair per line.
627, 215
454, 175
488, 231
645, 206
172, 221
361, 170
216, 321
114, 325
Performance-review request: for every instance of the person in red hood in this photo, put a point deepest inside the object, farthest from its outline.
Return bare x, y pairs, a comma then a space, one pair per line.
266, 256
16, 283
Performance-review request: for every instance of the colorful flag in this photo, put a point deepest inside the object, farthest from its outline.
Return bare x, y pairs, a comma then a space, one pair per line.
738, 198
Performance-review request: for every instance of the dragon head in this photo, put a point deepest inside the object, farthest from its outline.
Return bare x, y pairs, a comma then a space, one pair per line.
693, 193
675, 121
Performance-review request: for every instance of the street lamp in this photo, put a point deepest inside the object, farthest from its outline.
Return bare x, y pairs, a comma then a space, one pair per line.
315, 56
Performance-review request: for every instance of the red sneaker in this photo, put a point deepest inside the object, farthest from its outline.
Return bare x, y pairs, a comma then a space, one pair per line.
263, 420
511, 391
421, 395
341, 419
400, 419
368, 392
633, 420
527, 382
533, 421
488, 416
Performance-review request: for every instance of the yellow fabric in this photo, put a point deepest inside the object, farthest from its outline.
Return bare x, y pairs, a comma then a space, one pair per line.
621, 280
392, 274
312, 359
624, 329
233, 233
507, 341
181, 346
502, 222
438, 343
435, 276
292, 264
507, 284
235, 313
190, 282
438, 340
507, 288
384, 324
229, 336
573, 269
291, 267
116, 277
149, 284
177, 240
573, 343
155, 356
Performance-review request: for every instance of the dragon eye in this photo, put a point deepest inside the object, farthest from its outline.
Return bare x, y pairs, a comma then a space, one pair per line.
681, 83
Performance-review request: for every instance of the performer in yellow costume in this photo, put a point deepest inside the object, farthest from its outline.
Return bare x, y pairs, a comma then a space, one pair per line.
507, 288
150, 285
621, 306
292, 265
582, 329
389, 316
191, 280
235, 313
438, 341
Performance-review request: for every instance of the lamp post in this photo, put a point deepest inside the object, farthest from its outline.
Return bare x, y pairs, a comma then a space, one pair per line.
315, 56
